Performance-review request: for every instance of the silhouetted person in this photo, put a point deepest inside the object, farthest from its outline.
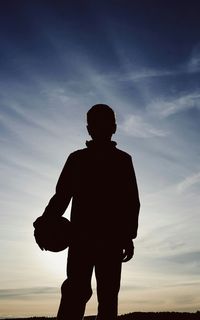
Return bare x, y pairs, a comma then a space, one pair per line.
101, 181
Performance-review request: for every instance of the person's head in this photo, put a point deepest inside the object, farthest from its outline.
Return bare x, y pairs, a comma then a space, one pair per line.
101, 124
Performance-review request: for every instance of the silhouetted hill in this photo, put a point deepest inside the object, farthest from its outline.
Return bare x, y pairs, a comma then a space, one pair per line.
137, 316
161, 316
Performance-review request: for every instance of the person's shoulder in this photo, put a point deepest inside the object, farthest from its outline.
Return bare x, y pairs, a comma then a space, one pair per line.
123, 154
78, 153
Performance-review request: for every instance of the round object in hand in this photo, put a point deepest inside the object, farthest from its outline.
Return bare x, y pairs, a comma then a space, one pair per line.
53, 234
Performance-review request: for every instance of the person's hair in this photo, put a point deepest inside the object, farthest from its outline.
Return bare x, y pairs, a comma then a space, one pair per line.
101, 113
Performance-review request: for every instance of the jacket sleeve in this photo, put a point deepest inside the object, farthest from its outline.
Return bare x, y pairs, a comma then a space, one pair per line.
132, 203
64, 192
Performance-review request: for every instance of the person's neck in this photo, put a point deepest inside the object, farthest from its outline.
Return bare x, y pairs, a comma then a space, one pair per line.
102, 141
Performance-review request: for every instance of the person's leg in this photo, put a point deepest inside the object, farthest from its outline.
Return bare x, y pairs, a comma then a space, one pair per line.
108, 276
76, 289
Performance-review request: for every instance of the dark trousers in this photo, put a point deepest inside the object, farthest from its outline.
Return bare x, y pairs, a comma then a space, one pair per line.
76, 289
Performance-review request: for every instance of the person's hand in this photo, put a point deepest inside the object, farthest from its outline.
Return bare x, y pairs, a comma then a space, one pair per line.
128, 250
38, 222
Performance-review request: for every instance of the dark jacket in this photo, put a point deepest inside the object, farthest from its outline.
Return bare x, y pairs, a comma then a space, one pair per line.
101, 181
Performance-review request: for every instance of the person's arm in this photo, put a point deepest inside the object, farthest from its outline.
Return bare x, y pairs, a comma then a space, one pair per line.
132, 208
64, 192
132, 205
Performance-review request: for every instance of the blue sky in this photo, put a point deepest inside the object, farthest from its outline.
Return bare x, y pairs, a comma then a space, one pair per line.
142, 58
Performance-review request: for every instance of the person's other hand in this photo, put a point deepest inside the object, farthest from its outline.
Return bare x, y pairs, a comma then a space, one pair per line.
128, 250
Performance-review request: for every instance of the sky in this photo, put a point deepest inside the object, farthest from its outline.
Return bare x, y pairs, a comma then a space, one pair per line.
57, 59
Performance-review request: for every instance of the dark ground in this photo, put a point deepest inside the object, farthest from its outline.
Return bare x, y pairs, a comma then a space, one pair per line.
138, 316
160, 316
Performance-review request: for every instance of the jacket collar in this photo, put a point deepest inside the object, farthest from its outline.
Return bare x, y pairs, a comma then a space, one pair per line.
101, 145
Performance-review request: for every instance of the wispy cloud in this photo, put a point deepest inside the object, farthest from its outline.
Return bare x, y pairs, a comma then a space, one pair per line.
142, 74
190, 258
27, 293
165, 107
193, 65
189, 182
137, 126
